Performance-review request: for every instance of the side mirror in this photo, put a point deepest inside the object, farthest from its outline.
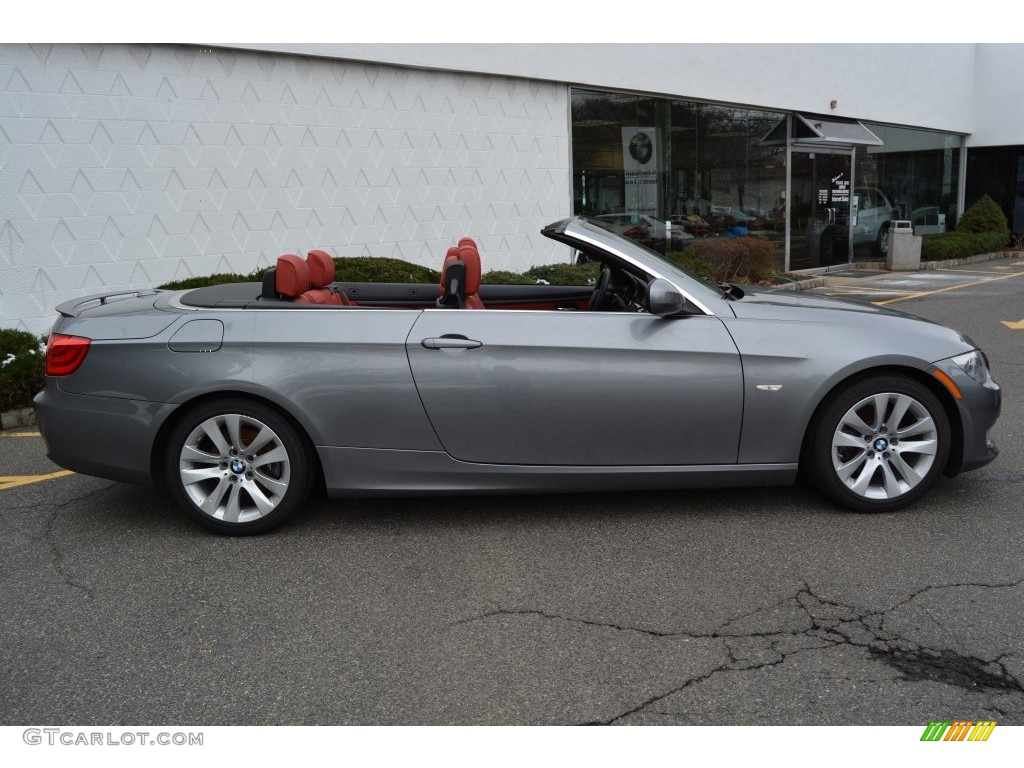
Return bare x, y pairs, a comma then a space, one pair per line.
664, 299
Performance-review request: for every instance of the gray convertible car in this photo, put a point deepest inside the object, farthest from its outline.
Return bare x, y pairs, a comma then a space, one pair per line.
239, 399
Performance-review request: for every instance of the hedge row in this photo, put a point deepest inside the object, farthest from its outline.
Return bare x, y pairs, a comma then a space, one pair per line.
374, 269
741, 259
733, 260
22, 365
982, 229
958, 245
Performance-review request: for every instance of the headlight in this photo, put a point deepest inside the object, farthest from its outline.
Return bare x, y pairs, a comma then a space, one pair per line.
975, 365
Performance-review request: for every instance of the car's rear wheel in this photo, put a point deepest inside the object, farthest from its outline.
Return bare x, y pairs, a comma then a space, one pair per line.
879, 443
237, 466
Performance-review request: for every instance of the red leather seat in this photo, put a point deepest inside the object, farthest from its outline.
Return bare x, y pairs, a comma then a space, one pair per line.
321, 275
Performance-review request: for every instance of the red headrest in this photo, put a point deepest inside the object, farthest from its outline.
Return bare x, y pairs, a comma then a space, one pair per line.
292, 276
321, 269
469, 255
468, 241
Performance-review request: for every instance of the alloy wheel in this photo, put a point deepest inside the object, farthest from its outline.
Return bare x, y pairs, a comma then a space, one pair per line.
234, 468
884, 446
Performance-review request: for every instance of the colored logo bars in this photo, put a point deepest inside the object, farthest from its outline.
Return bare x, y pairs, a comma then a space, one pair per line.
959, 730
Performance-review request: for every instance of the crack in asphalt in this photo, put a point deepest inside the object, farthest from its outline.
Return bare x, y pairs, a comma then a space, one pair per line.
830, 624
56, 555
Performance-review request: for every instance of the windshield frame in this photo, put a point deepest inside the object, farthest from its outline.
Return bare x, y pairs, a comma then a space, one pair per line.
588, 234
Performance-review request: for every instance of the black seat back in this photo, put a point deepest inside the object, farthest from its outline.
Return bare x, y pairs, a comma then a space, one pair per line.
453, 281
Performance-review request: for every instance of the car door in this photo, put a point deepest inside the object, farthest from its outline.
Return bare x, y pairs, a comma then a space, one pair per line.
578, 388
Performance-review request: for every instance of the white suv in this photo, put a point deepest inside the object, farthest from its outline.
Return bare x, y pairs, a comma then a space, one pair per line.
874, 213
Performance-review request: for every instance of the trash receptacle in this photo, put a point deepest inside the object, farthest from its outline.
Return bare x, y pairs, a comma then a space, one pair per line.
904, 248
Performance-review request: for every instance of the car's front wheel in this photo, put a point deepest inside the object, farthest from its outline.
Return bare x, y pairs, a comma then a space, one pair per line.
882, 241
237, 467
879, 443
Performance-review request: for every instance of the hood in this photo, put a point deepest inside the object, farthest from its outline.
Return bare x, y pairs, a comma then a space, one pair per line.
845, 320
755, 301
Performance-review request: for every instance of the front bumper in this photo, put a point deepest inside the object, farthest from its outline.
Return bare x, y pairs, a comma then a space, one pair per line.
978, 408
100, 436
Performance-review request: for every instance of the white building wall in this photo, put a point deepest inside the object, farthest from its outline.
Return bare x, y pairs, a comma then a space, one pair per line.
127, 166
920, 85
999, 96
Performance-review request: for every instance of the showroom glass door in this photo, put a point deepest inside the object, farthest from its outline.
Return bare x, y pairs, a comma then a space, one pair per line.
821, 208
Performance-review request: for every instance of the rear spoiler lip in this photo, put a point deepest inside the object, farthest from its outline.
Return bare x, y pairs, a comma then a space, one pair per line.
75, 307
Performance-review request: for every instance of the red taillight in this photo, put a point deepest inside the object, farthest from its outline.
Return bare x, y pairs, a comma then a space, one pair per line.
65, 353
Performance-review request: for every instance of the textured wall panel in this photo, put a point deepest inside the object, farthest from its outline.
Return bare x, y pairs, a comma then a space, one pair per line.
124, 166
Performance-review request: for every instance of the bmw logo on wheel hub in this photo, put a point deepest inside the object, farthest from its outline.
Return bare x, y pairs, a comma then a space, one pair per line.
237, 466
881, 444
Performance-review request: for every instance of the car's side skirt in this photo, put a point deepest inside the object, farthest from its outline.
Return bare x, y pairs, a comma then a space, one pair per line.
382, 472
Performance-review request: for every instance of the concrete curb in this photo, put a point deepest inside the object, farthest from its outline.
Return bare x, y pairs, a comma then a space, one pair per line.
821, 275
23, 417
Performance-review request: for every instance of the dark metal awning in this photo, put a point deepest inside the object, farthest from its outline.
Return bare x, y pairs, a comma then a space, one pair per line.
820, 129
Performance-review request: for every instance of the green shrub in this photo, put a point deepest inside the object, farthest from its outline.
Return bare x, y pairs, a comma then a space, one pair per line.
983, 217
565, 274
737, 259
958, 245
217, 279
353, 269
22, 366
692, 263
379, 269
505, 277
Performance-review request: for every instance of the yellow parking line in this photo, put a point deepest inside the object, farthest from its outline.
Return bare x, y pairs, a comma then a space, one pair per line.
20, 434
13, 481
967, 271
866, 289
947, 288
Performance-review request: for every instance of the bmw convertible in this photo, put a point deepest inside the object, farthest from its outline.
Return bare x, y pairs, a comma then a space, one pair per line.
240, 399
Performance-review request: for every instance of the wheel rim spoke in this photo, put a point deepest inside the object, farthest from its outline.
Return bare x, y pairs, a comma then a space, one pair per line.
856, 423
278, 454
846, 440
909, 473
264, 504
863, 481
924, 447
276, 487
924, 425
899, 410
191, 453
265, 436
846, 470
892, 485
233, 423
211, 427
200, 474
211, 503
234, 508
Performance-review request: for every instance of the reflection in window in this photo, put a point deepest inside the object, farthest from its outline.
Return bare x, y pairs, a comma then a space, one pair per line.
917, 172
669, 172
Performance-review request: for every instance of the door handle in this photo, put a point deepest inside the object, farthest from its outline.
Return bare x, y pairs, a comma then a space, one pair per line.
451, 341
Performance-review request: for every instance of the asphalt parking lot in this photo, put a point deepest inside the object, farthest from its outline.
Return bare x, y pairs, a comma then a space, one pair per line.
738, 607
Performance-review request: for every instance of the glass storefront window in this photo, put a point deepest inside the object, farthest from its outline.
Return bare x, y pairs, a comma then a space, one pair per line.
668, 172
915, 174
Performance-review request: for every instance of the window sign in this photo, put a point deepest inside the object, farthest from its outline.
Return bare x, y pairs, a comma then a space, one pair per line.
641, 168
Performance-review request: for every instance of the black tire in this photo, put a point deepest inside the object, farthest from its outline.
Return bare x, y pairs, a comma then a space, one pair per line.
224, 487
882, 241
852, 456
